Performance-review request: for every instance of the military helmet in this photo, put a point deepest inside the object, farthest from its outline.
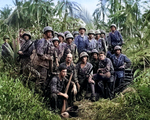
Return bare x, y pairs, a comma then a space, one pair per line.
94, 51
91, 32
48, 28
66, 32
6, 37
56, 33
82, 27
97, 32
69, 36
117, 48
28, 34
83, 54
113, 25
75, 33
55, 39
61, 34
103, 32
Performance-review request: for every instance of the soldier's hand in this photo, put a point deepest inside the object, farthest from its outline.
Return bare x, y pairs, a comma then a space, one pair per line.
20, 52
66, 96
92, 81
74, 89
78, 87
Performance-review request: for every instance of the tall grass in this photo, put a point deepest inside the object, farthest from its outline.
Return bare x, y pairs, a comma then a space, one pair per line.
18, 102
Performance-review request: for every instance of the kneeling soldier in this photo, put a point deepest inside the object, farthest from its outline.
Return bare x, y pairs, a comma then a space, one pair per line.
57, 87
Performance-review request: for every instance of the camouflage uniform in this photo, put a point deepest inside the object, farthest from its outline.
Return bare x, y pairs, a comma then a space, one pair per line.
82, 76
44, 49
104, 85
57, 86
27, 49
101, 45
70, 49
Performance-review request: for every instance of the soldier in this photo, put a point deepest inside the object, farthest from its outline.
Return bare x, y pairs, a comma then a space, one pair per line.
57, 88
66, 33
101, 44
7, 52
75, 34
84, 72
57, 53
25, 51
80, 40
62, 44
45, 57
95, 60
70, 68
90, 43
120, 62
104, 79
115, 37
70, 48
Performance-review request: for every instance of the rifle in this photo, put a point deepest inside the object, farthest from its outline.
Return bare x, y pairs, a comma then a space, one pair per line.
66, 91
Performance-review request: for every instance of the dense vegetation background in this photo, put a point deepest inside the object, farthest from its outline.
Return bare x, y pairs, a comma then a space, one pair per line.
18, 101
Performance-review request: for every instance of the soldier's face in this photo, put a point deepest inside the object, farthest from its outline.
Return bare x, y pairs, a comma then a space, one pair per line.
69, 40
98, 36
69, 58
6, 40
84, 59
91, 36
82, 31
61, 38
26, 37
113, 28
63, 73
95, 56
118, 52
56, 43
49, 34
102, 56
102, 35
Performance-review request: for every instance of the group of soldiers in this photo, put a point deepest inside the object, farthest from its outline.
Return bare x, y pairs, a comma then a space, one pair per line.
94, 63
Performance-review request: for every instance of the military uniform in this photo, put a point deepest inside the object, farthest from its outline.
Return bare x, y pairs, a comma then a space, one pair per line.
80, 43
104, 84
57, 86
82, 76
119, 66
101, 45
44, 66
70, 49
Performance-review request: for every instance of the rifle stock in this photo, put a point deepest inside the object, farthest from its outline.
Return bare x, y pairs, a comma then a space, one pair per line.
66, 91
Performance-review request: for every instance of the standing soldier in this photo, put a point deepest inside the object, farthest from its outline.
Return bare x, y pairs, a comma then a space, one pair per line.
70, 48
84, 72
101, 44
95, 60
66, 33
80, 40
7, 52
45, 53
115, 37
75, 34
61, 38
90, 43
120, 62
25, 51
57, 53
57, 88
